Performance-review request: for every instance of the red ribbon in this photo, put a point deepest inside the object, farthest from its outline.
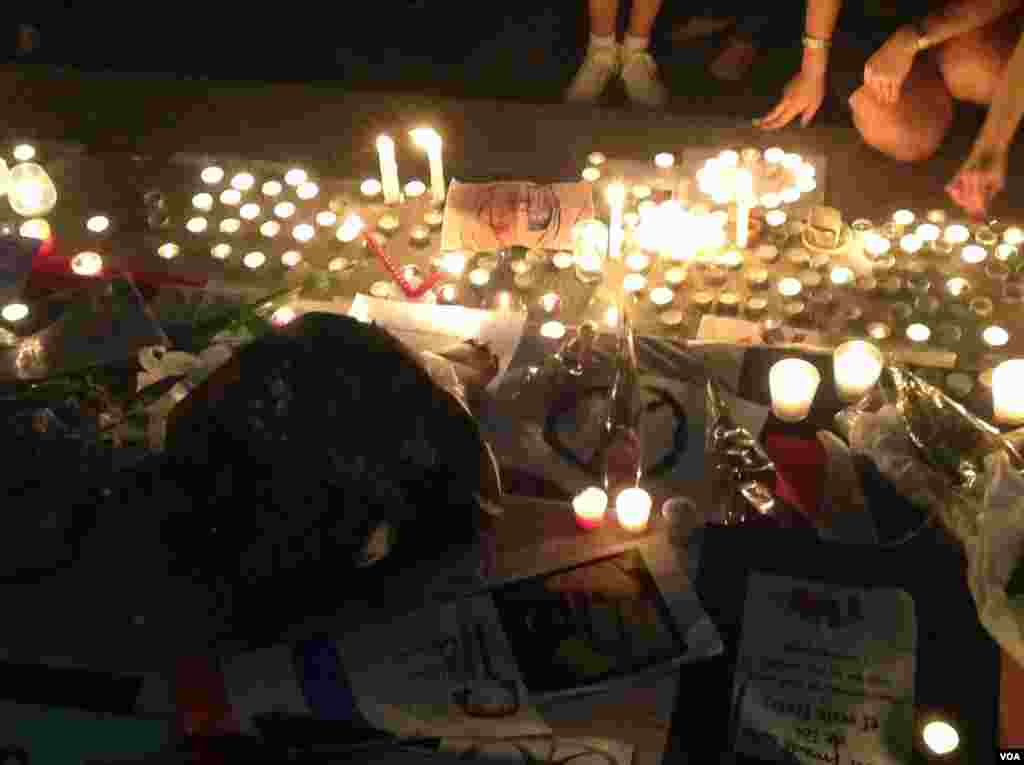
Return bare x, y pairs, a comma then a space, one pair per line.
410, 292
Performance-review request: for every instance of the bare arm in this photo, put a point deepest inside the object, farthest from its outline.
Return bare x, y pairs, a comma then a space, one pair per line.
820, 23
962, 16
1007, 104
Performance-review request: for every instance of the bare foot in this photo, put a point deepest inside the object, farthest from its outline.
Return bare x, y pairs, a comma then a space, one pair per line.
734, 61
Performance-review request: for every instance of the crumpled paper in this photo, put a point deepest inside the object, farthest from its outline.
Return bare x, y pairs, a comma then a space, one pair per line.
741, 472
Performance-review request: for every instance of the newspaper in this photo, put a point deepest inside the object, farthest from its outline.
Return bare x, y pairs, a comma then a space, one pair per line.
435, 328
486, 217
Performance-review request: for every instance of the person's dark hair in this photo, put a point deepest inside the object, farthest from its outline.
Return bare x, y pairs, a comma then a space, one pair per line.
19, 755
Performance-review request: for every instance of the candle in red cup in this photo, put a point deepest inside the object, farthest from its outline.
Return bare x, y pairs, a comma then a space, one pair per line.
589, 507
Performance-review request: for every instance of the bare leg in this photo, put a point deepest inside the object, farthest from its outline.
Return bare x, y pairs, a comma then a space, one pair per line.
914, 127
603, 15
972, 64
641, 16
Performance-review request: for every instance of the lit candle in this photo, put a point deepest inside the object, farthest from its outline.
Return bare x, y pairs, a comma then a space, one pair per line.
767, 253
303, 232
479, 277
289, 259
340, 263
973, 254
634, 283
350, 228
415, 188
296, 176
879, 330
671, 317
454, 263
1008, 392
14, 312
758, 278
590, 174
284, 209
995, 336
638, 261
756, 307
97, 224
911, 243
249, 211
270, 228
370, 188
1014, 236
633, 509
958, 287
430, 140
940, 737
326, 218
388, 169
774, 155
661, 296
640, 191
589, 507
168, 250
419, 235
307, 190
549, 302
448, 294
957, 234
433, 218
388, 223
857, 366
221, 251
380, 290
552, 330
562, 260
792, 384
790, 287
775, 220
616, 196
903, 218
203, 202
272, 188
596, 158
937, 217
31, 192
918, 333
212, 175
841, 276
87, 264
744, 193
875, 244
1005, 251
664, 160
254, 260
928, 232
732, 260
675, 276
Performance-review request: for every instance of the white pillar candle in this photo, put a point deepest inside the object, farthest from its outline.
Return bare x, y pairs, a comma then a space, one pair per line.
1008, 392
430, 140
589, 507
616, 196
388, 169
633, 509
857, 366
744, 193
793, 383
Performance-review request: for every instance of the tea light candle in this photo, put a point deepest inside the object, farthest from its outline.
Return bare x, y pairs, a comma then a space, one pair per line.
875, 244
793, 384
589, 508
675, 276
743, 190
591, 174
995, 336
380, 289
270, 228
87, 263
702, 301
732, 260
937, 217
671, 318
973, 254
415, 188
841, 276
388, 224
918, 333
903, 218
770, 200
798, 257
985, 236
370, 188
638, 261
1014, 236
928, 232
775, 220
1008, 392
388, 170
596, 158
433, 218
757, 278
552, 330
879, 330
940, 737
715, 276
982, 307
633, 509
453, 263
755, 307
664, 160
550, 302
790, 287
562, 260
230, 197
448, 294
911, 244
728, 303
767, 253
958, 287
957, 234
793, 309
1005, 251
810, 280
662, 296
634, 283
479, 277
857, 366
419, 235
521, 266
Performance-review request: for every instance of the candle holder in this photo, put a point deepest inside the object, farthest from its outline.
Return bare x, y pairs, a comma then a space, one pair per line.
949, 335
793, 384
857, 366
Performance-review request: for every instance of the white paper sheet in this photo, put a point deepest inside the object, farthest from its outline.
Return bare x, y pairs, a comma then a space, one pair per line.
437, 327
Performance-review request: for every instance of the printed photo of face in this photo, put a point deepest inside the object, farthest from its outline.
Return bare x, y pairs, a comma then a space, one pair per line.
520, 214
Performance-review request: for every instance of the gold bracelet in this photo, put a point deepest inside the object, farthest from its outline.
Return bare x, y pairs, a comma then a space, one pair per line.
923, 41
816, 43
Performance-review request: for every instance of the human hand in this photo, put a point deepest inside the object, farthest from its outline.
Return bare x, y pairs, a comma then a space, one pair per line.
802, 98
887, 69
979, 179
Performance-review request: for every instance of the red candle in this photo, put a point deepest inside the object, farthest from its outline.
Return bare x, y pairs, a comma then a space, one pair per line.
589, 507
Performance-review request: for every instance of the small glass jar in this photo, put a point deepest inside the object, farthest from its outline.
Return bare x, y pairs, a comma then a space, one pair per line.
715, 276
811, 280
702, 301
938, 217
949, 335
982, 307
794, 310
728, 303
755, 308
758, 278
879, 330
767, 253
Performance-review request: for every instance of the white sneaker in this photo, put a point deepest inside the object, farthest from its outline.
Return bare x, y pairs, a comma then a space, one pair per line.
601, 64
640, 76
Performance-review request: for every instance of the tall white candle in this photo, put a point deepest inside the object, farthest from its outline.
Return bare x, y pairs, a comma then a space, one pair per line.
430, 140
857, 366
793, 383
616, 196
1008, 392
744, 185
388, 169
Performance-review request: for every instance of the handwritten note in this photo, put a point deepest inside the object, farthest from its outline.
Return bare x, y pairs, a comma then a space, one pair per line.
825, 674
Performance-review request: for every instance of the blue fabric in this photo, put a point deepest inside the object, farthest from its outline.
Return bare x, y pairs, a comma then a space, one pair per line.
324, 683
